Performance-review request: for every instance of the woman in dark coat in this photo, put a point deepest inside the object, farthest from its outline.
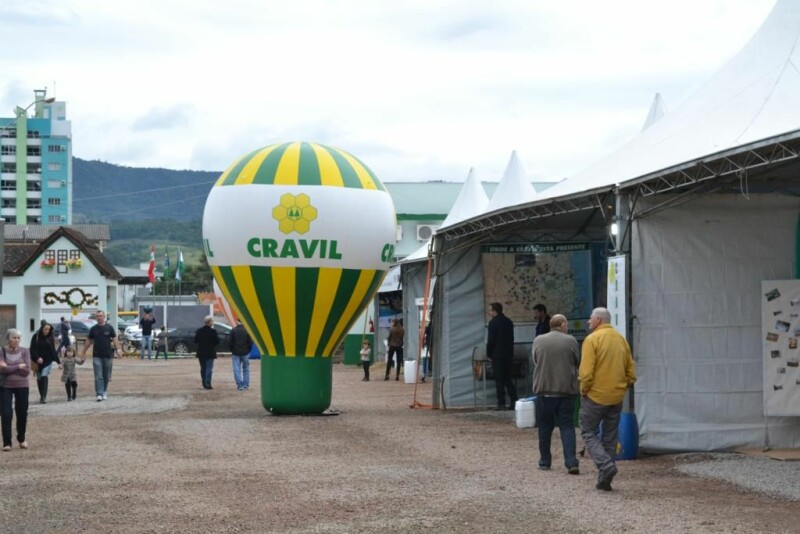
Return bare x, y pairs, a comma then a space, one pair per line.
43, 354
206, 339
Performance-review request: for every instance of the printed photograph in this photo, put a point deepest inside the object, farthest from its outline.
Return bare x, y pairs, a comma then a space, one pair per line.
773, 294
793, 363
792, 342
782, 326
775, 354
772, 336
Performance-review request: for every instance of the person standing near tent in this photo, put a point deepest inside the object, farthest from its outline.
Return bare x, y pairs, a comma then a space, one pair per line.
500, 350
555, 383
606, 372
241, 345
542, 320
395, 342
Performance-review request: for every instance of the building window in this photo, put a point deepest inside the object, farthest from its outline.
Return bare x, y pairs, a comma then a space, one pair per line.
55, 184
53, 201
8, 133
34, 168
11, 220
54, 167
9, 203
8, 185
33, 134
53, 218
34, 203
8, 167
8, 150
34, 185
56, 148
35, 150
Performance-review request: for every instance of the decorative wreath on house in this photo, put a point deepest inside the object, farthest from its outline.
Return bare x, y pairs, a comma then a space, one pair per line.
70, 298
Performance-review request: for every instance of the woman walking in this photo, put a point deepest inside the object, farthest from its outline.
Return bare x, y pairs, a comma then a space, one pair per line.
43, 354
15, 366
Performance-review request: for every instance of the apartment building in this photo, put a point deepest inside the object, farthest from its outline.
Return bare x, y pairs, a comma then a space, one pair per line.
36, 163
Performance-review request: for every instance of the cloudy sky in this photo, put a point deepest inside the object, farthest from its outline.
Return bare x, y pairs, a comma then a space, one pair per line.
418, 89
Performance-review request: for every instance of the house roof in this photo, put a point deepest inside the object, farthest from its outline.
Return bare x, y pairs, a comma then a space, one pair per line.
19, 256
39, 232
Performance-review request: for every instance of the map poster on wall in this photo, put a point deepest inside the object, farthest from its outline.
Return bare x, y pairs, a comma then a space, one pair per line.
521, 275
780, 334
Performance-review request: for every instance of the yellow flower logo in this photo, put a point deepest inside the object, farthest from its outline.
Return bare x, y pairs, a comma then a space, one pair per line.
294, 213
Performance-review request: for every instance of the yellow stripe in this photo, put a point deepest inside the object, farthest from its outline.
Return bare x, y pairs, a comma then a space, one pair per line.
227, 294
244, 281
288, 167
328, 170
327, 282
283, 283
362, 286
249, 171
366, 180
228, 171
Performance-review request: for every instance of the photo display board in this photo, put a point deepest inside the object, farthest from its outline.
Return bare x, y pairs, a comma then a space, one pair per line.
521, 275
780, 325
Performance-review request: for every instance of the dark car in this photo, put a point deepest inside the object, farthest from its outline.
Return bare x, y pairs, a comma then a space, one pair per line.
181, 340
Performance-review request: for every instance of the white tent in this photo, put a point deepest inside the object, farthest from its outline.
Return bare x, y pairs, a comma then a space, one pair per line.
657, 110
514, 188
712, 191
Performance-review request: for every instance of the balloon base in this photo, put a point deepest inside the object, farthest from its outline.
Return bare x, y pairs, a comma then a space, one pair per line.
296, 385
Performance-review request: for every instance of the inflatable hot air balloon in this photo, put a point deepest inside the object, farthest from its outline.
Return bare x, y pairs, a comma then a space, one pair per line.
299, 237
229, 314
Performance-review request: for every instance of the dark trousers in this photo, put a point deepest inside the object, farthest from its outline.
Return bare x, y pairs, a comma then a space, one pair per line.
602, 450
160, 349
552, 412
366, 369
206, 369
394, 352
72, 389
503, 382
18, 397
42, 384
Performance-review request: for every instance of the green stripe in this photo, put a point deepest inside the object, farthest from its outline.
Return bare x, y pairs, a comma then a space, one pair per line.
262, 282
308, 168
234, 174
373, 286
269, 167
347, 284
305, 291
230, 282
349, 176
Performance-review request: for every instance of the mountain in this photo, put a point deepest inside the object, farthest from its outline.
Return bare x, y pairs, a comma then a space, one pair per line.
103, 192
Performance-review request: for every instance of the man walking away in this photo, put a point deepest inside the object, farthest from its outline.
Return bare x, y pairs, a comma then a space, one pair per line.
241, 345
500, 350
606, 372
555, 384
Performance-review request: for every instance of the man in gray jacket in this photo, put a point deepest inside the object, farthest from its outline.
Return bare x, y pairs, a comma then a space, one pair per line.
556, 359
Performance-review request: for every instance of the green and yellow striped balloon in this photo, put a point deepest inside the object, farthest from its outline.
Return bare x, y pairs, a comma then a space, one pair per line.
299, 237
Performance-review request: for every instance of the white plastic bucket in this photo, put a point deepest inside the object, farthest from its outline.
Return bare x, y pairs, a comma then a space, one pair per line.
526, 415
410, 371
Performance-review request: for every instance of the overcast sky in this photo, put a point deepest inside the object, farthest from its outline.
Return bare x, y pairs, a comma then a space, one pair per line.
417, 89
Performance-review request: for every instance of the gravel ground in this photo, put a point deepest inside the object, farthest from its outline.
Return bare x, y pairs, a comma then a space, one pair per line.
164, 455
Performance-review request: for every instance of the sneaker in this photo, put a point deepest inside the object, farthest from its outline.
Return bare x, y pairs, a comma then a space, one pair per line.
105, 396
574, 470
240, 388
246, 387
544, 468
6, 448
99, 398
603, 486
23, 444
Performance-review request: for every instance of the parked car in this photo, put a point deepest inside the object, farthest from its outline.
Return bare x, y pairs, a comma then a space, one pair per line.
181, 340
79, 329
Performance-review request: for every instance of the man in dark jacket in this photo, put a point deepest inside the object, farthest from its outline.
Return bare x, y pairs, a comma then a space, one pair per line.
241, 345
542, 319
206, 339
500, 350
556, 358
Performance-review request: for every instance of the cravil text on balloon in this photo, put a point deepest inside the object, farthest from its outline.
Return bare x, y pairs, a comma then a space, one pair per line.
293, 248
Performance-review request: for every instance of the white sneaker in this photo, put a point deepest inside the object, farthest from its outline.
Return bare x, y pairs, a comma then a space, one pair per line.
105, 396
99, 398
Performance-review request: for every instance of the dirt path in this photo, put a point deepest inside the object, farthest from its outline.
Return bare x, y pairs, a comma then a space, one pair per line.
164, 455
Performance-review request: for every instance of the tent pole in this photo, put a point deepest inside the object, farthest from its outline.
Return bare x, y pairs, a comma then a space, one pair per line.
415, 403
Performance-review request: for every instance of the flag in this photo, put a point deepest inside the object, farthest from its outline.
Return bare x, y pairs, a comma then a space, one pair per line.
179, 268
166, 265
151, 271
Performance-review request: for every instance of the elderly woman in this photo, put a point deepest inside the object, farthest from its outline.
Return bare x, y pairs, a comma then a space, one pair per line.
15, 366
43, 354
206, 339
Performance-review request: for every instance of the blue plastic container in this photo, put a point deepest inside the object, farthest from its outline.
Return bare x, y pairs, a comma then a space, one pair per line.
628, 437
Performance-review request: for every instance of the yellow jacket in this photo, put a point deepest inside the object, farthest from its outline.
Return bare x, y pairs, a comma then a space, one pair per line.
606, 369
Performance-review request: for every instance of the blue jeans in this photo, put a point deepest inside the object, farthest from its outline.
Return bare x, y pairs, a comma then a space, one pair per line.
102, 374
206, 368
241, 370
147, 345
552, 412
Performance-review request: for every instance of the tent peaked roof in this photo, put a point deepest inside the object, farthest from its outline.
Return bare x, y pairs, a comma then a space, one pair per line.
753, 97
657, 110
471, 201
514, 188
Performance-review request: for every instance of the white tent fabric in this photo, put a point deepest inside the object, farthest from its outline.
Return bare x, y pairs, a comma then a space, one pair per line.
753, 97
472, 200
657, 110
392, 280
515, 188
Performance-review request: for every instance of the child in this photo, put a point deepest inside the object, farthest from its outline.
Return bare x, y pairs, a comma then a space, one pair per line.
161, 342
68, 375
365, 353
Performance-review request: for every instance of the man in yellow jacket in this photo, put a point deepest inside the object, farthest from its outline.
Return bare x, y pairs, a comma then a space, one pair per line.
606, 372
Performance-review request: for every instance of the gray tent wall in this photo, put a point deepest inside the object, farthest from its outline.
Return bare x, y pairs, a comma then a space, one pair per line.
696, 277
413, 275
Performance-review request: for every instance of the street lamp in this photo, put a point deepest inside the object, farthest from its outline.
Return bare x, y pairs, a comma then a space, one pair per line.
21, 111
